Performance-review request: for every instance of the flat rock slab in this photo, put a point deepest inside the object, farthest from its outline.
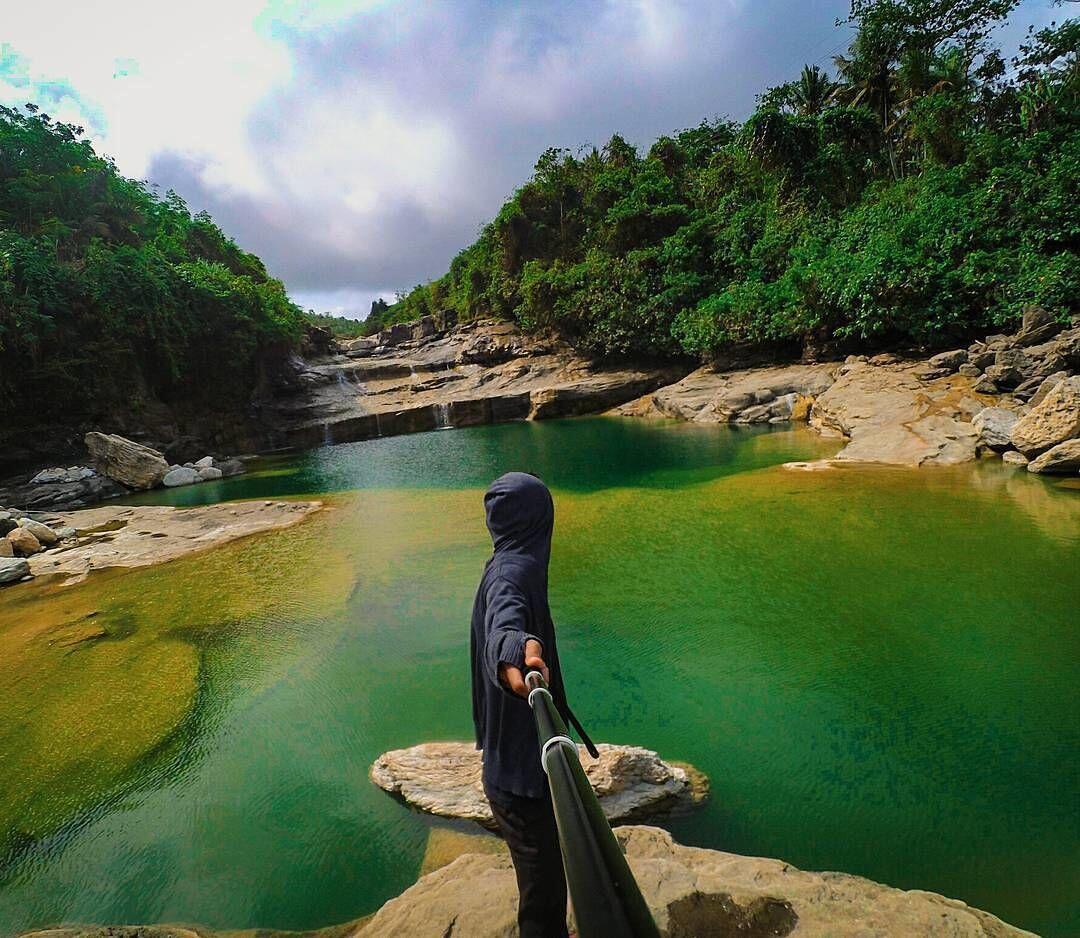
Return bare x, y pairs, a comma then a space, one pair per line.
691, 892
444, 779
138, 536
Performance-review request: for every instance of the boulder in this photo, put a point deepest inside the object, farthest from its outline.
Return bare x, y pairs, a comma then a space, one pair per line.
1063, 459
230, 467
23, 543
1038, 326
1046, 386
13, 569
126, 462
208, 473
692, 892
6, 550
1054, 420
45, 535
203, 463
180, 475
994, 424
7, 524
951, 360
444, 779
969, 370
982, 359
1013, 458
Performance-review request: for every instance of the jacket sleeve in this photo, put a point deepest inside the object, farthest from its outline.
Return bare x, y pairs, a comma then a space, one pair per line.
506, 629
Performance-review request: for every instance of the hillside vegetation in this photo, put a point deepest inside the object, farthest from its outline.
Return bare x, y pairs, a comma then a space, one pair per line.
113, 298
925, 189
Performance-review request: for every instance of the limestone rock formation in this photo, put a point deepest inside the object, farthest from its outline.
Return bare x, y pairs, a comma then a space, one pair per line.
126, 462
444, 779
1054, 420
1062, 459
692, 892
994, 424
890, 414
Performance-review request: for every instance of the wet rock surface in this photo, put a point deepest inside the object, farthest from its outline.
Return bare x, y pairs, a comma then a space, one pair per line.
444, 779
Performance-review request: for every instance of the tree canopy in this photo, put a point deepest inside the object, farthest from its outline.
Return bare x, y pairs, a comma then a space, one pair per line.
113, 297
924, 189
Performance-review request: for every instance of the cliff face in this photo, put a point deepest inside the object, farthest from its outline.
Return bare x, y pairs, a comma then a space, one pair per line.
693, 893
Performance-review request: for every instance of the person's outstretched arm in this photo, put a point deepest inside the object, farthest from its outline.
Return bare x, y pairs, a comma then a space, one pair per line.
509, 648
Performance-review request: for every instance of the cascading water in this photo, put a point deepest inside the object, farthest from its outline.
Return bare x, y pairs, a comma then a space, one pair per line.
442, 416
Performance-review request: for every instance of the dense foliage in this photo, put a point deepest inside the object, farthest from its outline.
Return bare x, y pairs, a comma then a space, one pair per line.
928, 190
340, 326
112, 297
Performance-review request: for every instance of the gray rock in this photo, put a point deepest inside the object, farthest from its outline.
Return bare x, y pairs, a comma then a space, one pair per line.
763, 395
209, 473
994, 424
1013, 458
65, 532
13, 569
1063, 459
985, 385
45, 535
70, 475
126, 462
983, 359
951, 360
230, 467
204, 462
969, 370
181, 475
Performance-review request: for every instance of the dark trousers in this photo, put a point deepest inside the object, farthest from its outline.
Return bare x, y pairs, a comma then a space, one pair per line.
528, 826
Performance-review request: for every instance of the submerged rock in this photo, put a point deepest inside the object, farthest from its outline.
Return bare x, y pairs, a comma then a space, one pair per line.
444, 779
693, 893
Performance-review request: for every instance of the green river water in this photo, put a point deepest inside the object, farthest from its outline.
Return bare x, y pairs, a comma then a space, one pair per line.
877, 668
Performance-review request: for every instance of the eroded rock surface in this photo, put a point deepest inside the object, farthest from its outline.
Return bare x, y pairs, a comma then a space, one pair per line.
692, 892
125, 461
124, 536
444, 779
421, 378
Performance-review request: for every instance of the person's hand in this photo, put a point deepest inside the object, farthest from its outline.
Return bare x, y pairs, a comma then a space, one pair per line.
514, 679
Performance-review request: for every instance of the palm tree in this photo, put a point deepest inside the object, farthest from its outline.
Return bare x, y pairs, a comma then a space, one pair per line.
811, 93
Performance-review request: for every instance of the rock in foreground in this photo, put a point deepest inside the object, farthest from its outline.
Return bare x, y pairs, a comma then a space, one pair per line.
444, 779
692, 892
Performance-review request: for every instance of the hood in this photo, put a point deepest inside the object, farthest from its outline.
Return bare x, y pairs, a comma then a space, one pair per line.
520, 515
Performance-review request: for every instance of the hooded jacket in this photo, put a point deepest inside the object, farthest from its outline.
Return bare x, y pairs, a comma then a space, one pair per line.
511, 607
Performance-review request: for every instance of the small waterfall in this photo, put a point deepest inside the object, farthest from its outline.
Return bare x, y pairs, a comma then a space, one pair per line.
327, 434
378, 425
442, 416
343, 383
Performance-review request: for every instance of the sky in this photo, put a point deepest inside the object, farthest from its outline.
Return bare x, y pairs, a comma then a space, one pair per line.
357, 145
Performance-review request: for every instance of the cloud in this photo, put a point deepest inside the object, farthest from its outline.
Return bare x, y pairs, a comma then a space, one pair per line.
357, 145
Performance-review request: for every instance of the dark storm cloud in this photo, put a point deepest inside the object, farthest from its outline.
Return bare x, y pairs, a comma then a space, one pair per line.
403, 129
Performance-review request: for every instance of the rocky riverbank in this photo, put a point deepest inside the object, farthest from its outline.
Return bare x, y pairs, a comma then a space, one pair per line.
73, 543
1016, 396
692, 892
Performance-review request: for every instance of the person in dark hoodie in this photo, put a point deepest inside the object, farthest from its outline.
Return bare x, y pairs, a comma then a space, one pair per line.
512, 633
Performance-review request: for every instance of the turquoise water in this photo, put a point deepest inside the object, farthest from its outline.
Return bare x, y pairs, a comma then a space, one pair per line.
877, 669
